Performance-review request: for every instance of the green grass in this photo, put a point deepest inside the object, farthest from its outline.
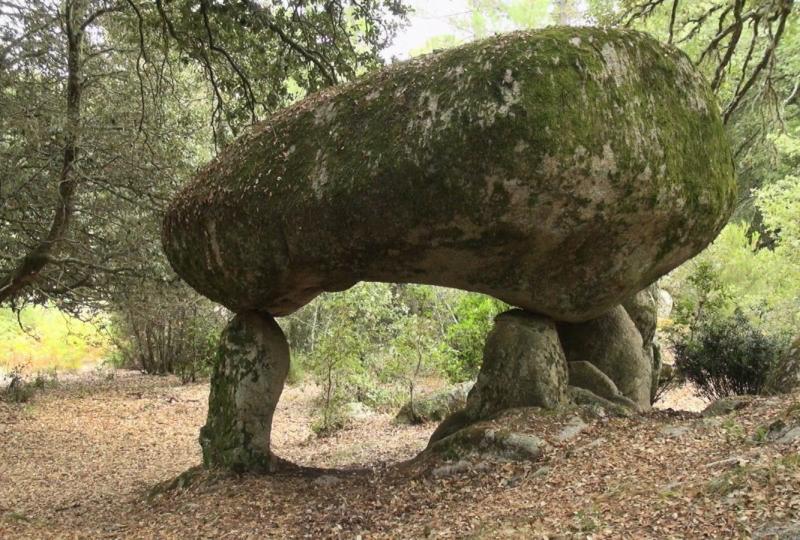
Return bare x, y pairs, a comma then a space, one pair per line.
51, 340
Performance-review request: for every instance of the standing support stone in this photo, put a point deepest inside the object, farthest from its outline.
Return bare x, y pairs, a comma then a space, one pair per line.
612, 343
642, 308
523, 366
251, 366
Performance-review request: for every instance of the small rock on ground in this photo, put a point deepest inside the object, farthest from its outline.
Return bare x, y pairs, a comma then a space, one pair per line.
674, 432
574, 428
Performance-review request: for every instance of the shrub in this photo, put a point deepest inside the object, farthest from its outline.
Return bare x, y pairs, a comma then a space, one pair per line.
668, 379
18, 390
167, 330
329, 418
785, 375
464, 339
725, 356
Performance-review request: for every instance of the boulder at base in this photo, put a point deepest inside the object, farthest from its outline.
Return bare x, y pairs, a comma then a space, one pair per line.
612, 343
435, 406
523, 366
587, 376
559, 170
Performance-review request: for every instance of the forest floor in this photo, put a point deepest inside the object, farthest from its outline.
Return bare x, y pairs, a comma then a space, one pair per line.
81, 459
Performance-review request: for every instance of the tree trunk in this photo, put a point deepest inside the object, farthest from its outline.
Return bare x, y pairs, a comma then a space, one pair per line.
31, 265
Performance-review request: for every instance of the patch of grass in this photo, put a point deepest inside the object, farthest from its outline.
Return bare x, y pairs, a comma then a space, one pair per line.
16, 516
761, 433
668, 494
728, 482
328, 422
587, 520
48, 339
747, 476
734, 431
793, 411
21, 389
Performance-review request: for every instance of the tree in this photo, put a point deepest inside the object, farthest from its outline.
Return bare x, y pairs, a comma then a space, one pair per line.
739, 41
75, 22
115, 88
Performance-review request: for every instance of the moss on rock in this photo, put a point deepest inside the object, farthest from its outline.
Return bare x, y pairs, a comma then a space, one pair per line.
612, 343
251, 366
559, 170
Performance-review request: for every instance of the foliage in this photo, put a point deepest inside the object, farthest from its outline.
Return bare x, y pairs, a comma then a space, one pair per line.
340, 360
704, 295
487, 17
162, 332
726, 356
415, 351
43, 338
465, 338
743, 46
735, 272
780, 205
737, 304
106, 109
375, 342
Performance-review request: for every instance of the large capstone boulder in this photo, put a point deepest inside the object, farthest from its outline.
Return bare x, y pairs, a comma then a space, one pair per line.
559, 170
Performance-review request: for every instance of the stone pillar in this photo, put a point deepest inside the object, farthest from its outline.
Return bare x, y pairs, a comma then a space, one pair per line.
642, 308
251, 366
613, 344
523, 366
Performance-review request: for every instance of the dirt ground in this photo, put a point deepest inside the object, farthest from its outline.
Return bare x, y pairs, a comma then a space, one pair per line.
80, 461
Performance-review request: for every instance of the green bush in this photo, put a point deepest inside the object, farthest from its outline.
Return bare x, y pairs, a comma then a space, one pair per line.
465, 338
18, 389
375, 343
168, 329
763, 277
329, 418
725, 356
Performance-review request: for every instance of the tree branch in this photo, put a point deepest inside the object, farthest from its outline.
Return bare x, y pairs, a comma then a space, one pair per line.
29, 268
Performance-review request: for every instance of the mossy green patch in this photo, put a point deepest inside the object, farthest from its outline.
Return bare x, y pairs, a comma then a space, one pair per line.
559, 170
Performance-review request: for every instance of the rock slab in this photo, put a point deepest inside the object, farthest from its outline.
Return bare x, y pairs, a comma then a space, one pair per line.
559, 170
